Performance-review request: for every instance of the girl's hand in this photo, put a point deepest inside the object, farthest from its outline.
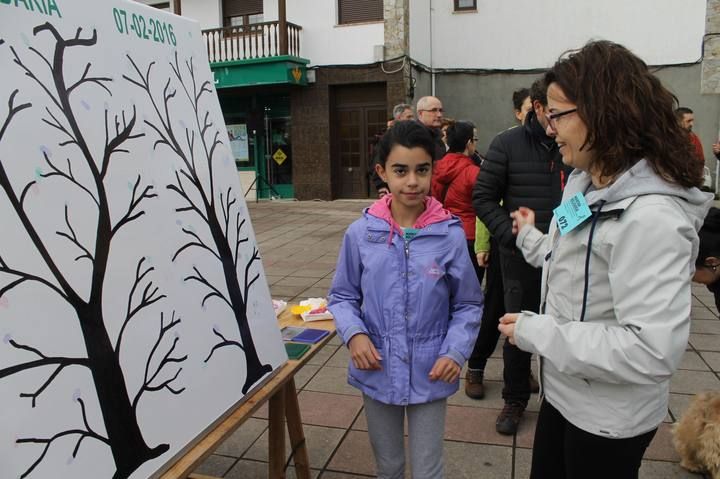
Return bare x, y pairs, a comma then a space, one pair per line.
523, 216
483, 258
363, 352
507, 326
445, 369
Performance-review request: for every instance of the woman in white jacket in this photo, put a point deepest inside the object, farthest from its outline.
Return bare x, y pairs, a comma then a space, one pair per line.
615, 306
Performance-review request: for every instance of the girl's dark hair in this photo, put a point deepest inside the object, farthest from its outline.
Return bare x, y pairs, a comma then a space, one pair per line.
709, 237
458, 134
627, 111
409, 134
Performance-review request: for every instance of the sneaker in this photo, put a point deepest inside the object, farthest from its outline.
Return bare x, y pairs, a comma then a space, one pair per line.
474, 384
509, 418
534, 385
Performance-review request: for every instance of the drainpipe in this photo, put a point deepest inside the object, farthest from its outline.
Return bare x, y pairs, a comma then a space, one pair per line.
432, 70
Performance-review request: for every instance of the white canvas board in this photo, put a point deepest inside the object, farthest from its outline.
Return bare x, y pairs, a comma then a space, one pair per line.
134, 310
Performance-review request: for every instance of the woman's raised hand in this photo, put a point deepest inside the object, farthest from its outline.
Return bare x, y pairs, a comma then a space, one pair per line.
523, 216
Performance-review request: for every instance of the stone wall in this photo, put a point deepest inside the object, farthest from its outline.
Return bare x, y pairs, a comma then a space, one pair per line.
311, 112
397, 28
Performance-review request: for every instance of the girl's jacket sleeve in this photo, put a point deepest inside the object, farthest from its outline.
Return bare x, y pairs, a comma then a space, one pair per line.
345, 293
466, 305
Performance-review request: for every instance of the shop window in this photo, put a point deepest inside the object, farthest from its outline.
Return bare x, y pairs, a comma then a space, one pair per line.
465, 5
238, 13
356, 11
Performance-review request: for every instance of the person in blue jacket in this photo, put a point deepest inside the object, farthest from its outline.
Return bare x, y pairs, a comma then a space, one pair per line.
407, 304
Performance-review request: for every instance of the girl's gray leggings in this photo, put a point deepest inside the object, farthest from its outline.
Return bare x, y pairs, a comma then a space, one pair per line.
426, 427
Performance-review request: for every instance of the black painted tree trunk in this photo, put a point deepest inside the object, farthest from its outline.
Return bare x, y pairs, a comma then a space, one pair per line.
124, 436
255, 369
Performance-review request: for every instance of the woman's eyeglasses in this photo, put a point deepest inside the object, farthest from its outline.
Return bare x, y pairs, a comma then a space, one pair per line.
552, 117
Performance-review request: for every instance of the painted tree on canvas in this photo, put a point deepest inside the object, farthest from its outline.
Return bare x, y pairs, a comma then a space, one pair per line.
85, 169
199, 195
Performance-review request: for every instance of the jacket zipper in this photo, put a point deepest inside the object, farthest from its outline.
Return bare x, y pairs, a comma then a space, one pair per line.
407, 277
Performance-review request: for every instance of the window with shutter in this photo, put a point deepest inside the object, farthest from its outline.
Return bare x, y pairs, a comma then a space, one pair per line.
355, 11
242, 12
161, 5
463, 5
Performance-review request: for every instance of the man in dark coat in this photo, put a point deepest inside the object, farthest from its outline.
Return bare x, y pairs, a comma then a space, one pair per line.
523, 168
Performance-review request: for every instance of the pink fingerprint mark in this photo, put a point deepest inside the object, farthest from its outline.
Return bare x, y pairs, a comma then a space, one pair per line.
4, 303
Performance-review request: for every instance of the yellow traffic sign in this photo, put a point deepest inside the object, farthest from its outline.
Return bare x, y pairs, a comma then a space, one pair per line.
279, 156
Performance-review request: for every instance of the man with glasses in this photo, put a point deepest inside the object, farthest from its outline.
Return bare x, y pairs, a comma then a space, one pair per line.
430, 114
523, 167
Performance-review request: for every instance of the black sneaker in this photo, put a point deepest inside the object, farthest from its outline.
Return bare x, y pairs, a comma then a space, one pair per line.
509, 418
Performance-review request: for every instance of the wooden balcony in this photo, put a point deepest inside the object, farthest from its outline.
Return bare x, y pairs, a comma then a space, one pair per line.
254, 41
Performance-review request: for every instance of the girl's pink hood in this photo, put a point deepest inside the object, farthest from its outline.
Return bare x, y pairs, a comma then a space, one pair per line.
434, 213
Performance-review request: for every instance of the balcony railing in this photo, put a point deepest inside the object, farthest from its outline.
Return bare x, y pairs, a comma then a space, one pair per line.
257, 40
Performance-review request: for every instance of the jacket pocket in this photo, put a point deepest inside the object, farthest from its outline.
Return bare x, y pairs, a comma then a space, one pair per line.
425, 352
371, 379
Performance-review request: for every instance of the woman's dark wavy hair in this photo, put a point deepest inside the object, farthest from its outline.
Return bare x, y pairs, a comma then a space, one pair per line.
409, 134
627, 111
458, 134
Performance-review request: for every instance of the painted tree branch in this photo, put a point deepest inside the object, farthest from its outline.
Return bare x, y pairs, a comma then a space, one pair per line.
238, 241
32, 75
72, 237
224, 343
12, 111
197, 243
167, 359
214, 291
83, 433
121, 136
55, 123
60, 363
22, 277
225, 205
67, 175
164, 131
255, 257
135, 201
195, 101
180, 190
86, 79
149, 297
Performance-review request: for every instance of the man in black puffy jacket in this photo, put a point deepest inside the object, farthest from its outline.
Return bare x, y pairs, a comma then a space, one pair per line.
523, 167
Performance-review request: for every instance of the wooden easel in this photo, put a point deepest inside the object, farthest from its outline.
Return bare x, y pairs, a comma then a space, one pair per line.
281, 394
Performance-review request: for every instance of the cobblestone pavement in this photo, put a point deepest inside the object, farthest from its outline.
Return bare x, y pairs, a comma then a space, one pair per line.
299, 242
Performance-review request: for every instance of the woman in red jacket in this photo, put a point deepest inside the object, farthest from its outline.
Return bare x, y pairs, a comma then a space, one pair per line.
453, 180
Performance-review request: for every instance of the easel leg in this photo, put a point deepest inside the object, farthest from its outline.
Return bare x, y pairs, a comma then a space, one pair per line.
276, 435
295, 430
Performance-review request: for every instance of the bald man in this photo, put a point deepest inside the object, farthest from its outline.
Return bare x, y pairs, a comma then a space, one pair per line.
430, 114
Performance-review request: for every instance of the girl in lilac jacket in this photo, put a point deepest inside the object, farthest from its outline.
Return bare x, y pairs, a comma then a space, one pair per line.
407, 303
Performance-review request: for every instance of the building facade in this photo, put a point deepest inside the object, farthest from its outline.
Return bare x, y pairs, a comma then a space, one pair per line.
307, 85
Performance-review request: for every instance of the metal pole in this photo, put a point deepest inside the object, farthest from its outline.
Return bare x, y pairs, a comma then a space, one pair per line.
268, 146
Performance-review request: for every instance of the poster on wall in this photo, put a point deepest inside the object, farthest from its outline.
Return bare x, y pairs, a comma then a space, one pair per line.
237, 135
134, 309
